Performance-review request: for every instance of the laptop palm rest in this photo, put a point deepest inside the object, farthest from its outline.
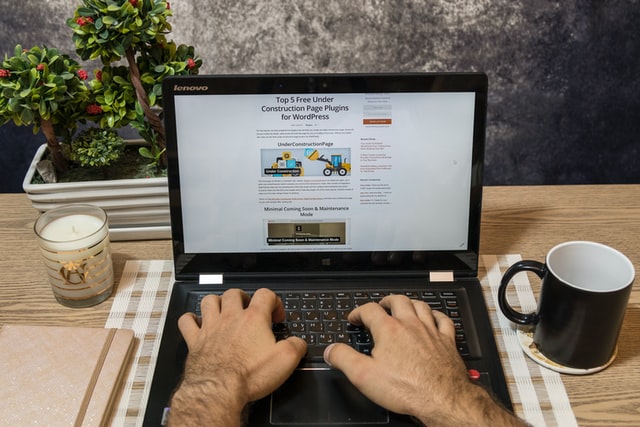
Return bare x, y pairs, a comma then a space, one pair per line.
323, 396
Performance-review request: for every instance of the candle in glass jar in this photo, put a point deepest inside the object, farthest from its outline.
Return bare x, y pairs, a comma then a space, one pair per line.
74, 241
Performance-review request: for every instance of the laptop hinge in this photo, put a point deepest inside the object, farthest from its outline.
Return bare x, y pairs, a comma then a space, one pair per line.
210, 279
441, 276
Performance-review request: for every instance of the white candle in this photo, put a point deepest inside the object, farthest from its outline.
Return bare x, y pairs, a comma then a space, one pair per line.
72, 227
74, 241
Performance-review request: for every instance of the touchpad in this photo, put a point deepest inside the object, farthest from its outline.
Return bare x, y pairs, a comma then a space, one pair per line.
323, 396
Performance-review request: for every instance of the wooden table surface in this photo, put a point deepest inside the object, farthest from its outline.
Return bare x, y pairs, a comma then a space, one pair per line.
523, 220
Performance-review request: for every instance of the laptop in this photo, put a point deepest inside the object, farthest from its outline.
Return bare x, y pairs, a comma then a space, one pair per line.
347, 186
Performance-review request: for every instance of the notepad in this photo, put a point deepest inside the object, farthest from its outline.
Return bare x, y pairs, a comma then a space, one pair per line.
61, 376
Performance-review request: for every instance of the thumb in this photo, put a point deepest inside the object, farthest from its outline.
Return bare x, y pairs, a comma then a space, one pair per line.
346, 359
290, 351
189, 328
299, 347
282, 363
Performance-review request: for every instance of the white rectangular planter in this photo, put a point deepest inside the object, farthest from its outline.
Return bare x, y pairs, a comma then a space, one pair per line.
138, 209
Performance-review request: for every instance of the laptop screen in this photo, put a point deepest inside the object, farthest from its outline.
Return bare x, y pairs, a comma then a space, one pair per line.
267, 166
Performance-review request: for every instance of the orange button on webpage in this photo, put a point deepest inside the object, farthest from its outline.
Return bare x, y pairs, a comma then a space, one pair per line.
376, 121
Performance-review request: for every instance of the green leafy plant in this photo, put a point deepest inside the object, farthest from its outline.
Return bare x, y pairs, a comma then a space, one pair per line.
153, 151
113, 97
96, 147
43, 88
133, 30
48, 90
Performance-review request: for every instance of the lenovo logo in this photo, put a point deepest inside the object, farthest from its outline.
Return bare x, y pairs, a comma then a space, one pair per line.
177, 88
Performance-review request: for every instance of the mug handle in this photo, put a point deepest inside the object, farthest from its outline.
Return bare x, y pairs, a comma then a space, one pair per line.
511, 314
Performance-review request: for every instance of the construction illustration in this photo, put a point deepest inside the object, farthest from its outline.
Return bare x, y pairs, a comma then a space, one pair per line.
292, 163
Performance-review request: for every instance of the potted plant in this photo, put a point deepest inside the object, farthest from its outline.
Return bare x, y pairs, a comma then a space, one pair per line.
45, 89
134, 31
51, 92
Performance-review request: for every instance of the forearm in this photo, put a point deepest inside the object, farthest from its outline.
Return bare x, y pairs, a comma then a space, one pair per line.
474, 406
211, 403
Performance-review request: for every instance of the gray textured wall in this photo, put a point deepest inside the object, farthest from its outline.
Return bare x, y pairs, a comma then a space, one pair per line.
564, 76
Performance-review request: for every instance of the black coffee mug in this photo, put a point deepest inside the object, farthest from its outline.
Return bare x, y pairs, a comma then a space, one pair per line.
583, 299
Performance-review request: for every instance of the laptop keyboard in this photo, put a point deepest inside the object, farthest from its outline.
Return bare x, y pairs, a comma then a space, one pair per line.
320, 318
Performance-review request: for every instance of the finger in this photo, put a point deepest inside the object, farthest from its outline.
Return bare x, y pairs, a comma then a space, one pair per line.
282, 362
278, 315
399, 306
298, 346
425, 314
188, 326
269, 303
289, 353
445, 325
210, 307
356, 366
369, 315
210, 302
234, 299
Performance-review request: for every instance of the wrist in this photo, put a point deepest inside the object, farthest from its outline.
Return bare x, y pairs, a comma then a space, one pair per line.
214, 402
473, 405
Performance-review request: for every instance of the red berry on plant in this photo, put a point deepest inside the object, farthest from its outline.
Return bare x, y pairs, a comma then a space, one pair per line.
5, 73
191, 64
83, 21
82, 74
94, 109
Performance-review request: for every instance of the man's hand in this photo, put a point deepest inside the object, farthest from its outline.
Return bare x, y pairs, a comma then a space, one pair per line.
233, 357
414, 367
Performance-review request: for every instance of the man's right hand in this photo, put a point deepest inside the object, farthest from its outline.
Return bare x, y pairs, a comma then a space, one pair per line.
415, 368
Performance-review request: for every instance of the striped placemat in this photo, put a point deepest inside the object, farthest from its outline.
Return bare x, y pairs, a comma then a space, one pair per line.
537, 393
141, 301
140, 304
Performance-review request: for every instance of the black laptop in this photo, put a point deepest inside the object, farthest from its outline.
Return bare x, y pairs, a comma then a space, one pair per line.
332, 190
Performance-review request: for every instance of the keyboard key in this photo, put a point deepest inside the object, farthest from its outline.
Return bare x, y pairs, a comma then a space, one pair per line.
297, 327
333, 327
311, 315
344, 305
435, 305
308, 304
326, 339
315, 327
290, 305
281, 331
294, 316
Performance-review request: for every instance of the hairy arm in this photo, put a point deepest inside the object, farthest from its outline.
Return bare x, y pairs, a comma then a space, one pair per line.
233, 358
213, 402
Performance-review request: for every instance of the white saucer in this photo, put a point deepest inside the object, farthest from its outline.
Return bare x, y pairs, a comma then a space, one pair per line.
526, 342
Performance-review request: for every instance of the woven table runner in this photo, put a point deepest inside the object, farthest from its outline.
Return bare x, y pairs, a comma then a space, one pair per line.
142, 298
